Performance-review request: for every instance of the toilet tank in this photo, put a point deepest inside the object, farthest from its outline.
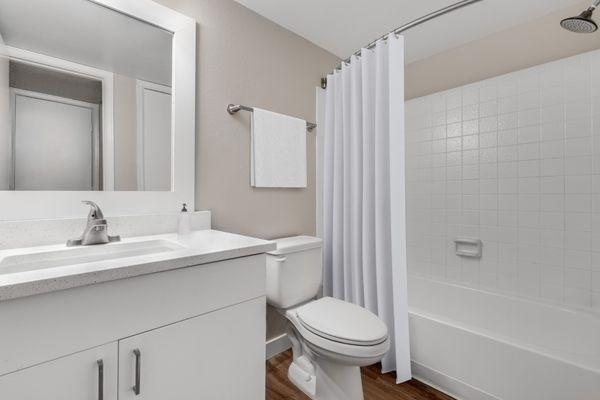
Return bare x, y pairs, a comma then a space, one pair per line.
294, 271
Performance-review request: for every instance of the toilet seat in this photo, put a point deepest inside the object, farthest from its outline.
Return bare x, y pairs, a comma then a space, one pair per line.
342, 322
360, 352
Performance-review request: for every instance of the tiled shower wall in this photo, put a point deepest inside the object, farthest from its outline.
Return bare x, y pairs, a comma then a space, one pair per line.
514, 161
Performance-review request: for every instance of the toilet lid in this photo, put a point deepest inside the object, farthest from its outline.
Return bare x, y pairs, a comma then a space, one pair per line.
342, 322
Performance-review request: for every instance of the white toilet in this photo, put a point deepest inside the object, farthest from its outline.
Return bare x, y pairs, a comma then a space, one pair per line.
331, 339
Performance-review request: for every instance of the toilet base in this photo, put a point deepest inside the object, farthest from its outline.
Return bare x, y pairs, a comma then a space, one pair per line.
302, 380
321, 378
331, 382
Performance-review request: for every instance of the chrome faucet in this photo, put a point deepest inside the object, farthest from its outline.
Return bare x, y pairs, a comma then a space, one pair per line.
96, 230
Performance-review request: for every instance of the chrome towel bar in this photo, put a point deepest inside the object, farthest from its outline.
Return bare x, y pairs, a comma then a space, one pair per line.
234, 108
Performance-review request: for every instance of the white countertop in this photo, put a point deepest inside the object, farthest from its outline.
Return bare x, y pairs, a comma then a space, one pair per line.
200, 247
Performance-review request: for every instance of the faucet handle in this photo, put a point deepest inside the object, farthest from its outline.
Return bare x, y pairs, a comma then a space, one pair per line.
95, 211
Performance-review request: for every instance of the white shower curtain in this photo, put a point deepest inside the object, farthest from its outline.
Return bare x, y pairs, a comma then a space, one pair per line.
363, 192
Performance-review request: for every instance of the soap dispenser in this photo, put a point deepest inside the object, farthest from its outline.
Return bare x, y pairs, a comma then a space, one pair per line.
183, 226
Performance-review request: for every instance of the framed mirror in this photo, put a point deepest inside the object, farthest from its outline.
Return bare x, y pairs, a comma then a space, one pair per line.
96, 102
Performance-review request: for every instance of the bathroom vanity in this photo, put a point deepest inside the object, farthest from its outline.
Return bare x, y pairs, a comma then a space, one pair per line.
172, 322
147, 314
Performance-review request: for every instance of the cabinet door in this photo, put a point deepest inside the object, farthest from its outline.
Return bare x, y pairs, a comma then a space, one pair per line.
88, 375
217, 356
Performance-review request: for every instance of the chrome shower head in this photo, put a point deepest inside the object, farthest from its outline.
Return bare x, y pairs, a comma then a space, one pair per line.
582, 23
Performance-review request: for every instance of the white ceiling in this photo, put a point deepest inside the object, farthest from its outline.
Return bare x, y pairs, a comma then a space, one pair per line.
343, 26
87, 33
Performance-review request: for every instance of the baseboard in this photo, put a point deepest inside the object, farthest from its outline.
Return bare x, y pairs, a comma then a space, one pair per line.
277, 345
446, 384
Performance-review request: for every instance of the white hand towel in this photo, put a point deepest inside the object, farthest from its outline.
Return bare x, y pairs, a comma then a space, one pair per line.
278, 149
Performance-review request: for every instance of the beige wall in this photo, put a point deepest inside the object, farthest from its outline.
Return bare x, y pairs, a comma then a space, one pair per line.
523, 46
244, 58
55, 83
125, 133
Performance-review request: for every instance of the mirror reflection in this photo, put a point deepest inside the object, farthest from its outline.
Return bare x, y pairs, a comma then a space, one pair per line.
85, 99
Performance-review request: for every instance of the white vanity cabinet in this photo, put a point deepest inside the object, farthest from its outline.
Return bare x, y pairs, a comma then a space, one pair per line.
90, 374
216, 356
188, 333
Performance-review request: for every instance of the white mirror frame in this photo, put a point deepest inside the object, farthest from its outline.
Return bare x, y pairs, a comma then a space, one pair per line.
21, 205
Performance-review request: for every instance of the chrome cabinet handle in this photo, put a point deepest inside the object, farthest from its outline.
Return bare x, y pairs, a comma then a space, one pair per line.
100, 379
138, 365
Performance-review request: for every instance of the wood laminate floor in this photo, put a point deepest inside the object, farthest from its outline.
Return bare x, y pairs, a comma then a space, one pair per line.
375, 385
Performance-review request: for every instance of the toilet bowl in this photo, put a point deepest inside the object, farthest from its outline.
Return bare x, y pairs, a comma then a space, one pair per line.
331, 339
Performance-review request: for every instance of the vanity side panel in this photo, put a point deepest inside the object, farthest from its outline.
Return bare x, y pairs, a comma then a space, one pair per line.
41, 328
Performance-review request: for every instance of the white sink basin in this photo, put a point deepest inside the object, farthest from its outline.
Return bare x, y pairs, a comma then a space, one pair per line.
37, 260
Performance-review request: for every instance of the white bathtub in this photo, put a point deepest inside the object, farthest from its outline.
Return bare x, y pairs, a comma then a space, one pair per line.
480, 345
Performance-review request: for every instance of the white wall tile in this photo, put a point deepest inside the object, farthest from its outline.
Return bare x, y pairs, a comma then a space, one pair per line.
528, 134
578, 259
578, 222
470, 142
581, 184
508, 121
581, 127
552, 114
488, 186
578, 109
529, 202
470, 95
529, 168
529, 117
529, 100
552, 238
578, 297
552, 96
488, 139
488, 124
514, 160
507, 137
553, 166
596, 281
552, 149
552, 293
578, 278
508, 169
578, 147
529, 185
508, 153
453, 130
578, 165
470, 111
552, 185
552, 202
552, 220
508, 202
529, 151
489, 155
471, 127
578, 203
552, 131
507, 185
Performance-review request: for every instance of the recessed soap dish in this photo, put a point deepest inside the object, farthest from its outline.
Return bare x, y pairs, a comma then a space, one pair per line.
468, 247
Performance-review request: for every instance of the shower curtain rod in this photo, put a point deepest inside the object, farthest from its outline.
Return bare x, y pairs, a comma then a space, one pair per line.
405, 27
